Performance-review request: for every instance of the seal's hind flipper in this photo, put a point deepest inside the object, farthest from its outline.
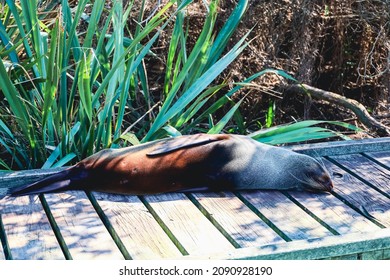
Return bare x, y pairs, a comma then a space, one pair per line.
61, 181
178, 143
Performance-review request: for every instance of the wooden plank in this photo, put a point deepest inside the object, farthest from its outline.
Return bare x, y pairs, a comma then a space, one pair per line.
333, 148
334, 212
383, 254
285, 215
2, 255
318, 248
344, 257
84, 233
244, 226
139, 232
382, 157
28, 230
2, 237
386, 254
9, 180
188, 225
372, 255
359, 195
367, 169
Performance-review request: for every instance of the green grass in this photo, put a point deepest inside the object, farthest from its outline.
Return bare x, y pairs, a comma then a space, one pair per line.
69, 92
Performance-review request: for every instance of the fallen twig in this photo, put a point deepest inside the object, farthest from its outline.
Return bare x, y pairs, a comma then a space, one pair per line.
356, 107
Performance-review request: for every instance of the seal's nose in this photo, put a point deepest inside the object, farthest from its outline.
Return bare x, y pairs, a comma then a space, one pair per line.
323, 185
326, 183
329, 186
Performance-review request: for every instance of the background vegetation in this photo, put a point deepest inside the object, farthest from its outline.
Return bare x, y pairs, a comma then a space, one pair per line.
80, 76
342, 46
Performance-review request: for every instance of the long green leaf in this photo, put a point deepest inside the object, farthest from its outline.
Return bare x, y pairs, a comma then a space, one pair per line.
295, 126
222, 123
16, 106
52, 76
4, 165
227, 31
7, 43
299, 135
196, 88
84, 86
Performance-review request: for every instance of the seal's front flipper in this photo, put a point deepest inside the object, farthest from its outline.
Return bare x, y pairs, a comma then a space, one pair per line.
178, 143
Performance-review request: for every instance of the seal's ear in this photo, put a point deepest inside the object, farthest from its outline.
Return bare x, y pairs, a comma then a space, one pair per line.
178, 143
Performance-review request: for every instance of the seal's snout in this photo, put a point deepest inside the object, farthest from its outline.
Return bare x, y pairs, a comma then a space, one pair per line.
324, 184
329, 185
317, 177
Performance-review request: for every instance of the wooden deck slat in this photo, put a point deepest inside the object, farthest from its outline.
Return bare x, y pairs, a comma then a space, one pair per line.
2, 255
382, 157
212, 225
140, 233
13, 179
244, 226
286, 215
367, 169
334, 212
344, 257
361, 196
191, 228
28, 230
84, 233
333, 148
319, 248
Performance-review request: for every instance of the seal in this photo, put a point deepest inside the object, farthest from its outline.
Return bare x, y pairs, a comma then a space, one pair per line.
199, 162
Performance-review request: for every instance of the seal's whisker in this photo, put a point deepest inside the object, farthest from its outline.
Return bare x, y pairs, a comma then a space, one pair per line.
320, 160
300, 180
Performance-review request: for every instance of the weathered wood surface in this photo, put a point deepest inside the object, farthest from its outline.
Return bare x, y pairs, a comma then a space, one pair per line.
2, 255
81, 228
361, 196
352, 222
344, 147
140, 233
364, 168
193, 231
27, 229
332, 211
375, 243
2, 238
10, 180
239, 222
285, 215
381, 157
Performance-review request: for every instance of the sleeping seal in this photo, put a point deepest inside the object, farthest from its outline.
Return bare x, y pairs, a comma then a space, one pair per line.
200, 162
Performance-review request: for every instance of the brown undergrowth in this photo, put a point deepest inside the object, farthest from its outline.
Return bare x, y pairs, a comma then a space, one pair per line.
339, 46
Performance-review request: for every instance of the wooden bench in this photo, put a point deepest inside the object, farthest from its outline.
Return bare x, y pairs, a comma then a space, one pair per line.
351, 223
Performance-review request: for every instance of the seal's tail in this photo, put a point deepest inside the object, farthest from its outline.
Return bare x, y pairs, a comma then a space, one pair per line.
61, 181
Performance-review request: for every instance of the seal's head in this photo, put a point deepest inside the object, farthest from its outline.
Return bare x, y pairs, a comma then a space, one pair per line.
311, 175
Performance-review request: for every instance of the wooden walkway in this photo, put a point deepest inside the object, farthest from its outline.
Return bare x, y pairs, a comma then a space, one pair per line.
353, 222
